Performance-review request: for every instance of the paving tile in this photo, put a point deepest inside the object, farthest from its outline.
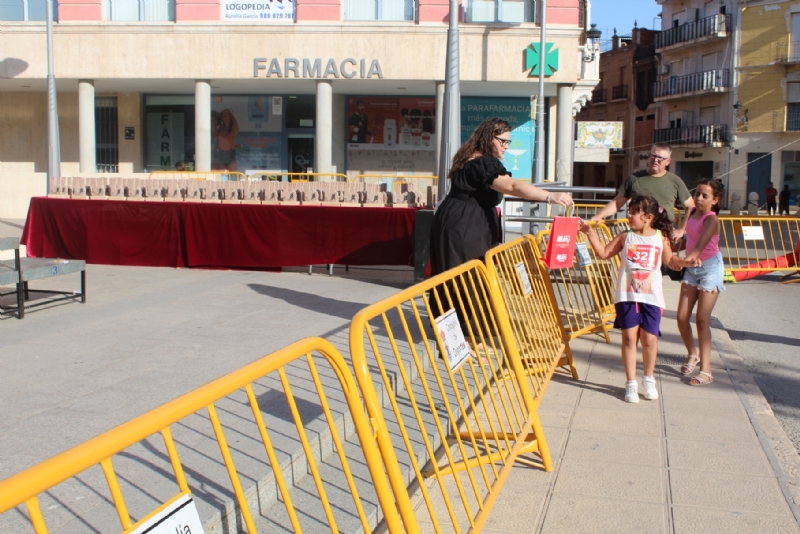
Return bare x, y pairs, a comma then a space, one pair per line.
731, 429
509, 517
726, 491
742, 458
578, 514
707, 407
620, 448
689, 519
612, 397
605, 479
556, 415
627, 421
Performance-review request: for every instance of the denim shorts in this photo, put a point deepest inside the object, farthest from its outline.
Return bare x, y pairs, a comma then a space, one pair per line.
707, 277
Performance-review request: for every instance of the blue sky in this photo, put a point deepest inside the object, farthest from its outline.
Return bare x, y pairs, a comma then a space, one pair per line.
620, 14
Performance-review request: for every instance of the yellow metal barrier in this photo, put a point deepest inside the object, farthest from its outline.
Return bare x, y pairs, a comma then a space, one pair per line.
585, 293
231, 176
477, 416
323, 474
395, 183
615, 226
756, 245
278, 176
585, 210
522, 280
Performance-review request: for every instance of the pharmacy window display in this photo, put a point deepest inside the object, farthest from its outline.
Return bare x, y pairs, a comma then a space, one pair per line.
391, 134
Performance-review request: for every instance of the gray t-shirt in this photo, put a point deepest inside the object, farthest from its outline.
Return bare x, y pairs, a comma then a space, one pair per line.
666, 189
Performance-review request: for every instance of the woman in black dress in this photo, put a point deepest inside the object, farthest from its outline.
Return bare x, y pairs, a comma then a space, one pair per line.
466, 225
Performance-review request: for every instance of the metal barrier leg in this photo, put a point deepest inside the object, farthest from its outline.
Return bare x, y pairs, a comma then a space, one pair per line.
310, 269
330, 269
83, 287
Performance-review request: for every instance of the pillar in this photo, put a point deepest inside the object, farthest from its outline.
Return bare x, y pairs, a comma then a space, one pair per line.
564, 134
86, 126
439, 115
323, 138
202, 125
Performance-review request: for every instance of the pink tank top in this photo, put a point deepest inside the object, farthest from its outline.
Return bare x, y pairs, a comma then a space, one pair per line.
694, 227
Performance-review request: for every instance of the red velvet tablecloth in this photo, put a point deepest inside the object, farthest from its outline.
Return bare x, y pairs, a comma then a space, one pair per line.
191, 234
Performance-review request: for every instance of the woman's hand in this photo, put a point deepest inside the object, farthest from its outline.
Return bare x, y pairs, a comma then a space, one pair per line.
562, 199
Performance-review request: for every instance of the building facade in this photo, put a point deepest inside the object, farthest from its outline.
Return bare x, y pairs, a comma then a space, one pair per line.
696, 48
624, 94
350, 86
767, 146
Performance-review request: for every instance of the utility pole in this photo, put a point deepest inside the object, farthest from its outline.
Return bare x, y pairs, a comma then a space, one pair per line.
451, 110
53, 142
539, 154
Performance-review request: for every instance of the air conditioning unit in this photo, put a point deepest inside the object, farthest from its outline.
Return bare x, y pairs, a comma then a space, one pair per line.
663, 70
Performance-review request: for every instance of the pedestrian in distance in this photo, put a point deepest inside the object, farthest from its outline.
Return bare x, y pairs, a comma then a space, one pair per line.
783, 200
772, 193
639, 299
702, 282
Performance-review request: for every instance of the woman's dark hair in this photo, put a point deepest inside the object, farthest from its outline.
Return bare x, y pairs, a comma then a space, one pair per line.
647, 204
481, 141
717, 188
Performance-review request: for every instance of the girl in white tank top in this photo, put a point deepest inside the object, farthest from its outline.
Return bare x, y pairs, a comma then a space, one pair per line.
639, 299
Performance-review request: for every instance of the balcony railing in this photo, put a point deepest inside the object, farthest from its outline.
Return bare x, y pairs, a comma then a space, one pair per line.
787, 51
619, 92
708, 81
707, 27
711, 135
599, 96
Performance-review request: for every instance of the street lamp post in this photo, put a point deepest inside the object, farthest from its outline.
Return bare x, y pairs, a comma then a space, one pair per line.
539, 155
451, 109
53, 143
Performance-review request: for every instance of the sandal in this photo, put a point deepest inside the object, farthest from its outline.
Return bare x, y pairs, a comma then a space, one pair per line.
702, 379
688, 367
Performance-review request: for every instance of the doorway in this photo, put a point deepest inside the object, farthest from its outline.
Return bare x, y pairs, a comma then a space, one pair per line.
759, 174
301, 154
691, 172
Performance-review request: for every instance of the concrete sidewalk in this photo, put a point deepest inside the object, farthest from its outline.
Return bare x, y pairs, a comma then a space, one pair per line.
699, 459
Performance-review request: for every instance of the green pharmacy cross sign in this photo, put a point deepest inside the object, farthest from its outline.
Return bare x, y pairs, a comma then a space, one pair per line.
532, 59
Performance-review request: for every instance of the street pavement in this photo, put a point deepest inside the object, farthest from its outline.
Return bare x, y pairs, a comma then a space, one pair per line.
708, 459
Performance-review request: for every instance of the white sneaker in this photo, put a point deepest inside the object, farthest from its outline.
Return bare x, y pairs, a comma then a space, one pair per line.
631, 391
650, 390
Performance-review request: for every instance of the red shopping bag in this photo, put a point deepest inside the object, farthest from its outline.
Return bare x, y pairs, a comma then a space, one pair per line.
561, 247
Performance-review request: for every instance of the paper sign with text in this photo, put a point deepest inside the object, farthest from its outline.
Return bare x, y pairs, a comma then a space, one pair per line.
527, 289
180, 517
561, 246
455, 345
753, 233
582, 253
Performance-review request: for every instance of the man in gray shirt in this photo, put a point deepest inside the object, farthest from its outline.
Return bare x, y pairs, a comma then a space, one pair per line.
664, 186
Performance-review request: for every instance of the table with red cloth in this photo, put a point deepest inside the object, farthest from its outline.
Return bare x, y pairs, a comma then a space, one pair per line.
239, 236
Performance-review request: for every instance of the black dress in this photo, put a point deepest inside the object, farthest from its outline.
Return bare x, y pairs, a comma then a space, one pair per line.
466, 224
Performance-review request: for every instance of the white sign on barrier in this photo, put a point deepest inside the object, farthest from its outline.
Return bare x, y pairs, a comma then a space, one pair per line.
455, 346
527, 289
582, 253
753, 233
180, 517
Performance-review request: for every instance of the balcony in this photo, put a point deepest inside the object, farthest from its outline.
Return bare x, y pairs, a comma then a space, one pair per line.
710, 81
599, 96
713, 135
617, 151
707, 28
787, 51
619, 92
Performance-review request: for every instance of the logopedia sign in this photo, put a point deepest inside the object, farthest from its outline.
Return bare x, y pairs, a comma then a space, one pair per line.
263, 11
313, 68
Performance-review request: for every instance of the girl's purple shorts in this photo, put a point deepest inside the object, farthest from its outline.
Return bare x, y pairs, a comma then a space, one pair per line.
633, 314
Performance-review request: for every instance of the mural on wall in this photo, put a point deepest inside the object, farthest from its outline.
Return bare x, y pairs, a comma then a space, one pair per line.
517, 112
599, 135
391, 134
246, 132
